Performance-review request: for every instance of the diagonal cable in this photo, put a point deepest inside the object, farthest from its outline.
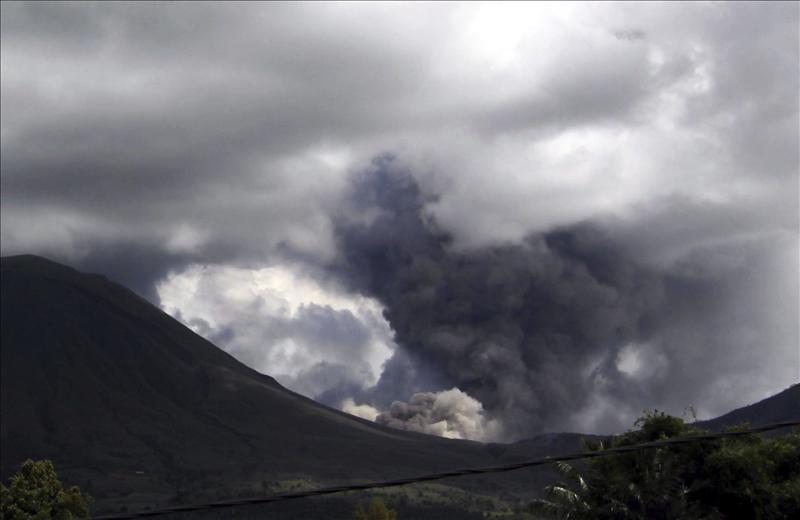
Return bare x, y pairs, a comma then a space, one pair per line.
449, 474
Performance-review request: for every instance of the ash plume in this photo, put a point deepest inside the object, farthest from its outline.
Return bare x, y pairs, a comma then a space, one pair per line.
449, 413
546, 334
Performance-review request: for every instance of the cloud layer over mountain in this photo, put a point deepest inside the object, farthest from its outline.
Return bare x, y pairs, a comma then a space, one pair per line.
565, 212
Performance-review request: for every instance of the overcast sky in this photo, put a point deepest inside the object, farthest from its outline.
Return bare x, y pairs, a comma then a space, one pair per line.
508, 218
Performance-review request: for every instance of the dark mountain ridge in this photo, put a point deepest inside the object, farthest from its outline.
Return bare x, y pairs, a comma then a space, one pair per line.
782, 406
141, 411
119, 394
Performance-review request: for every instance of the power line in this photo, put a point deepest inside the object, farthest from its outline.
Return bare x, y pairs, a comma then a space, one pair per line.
449, 474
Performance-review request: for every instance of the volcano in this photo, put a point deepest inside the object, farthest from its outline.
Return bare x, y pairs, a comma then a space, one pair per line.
134, 406
140, 411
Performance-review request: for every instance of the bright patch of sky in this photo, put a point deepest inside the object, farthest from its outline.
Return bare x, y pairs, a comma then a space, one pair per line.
281, 322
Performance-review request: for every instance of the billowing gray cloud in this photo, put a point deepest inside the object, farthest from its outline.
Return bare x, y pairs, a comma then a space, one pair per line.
549, 332
175, 127
449, 413
638, 162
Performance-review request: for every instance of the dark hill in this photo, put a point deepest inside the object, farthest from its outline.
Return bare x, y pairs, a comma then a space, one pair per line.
129, 402
784, 406
140, 411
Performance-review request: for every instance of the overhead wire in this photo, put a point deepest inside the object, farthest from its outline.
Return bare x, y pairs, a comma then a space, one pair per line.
676, 441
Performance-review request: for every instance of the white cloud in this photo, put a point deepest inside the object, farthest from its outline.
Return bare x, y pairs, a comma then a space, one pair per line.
282, 323
641, 361
448, 413
364, 411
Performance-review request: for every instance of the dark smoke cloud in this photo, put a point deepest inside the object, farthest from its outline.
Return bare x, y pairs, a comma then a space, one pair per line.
536, 330
141, 140
136, 266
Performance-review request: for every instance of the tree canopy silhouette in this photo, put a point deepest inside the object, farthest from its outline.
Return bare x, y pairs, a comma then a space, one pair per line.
36, 493
747, 477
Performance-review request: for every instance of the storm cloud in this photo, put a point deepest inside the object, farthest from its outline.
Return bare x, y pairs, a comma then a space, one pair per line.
567, 329
567, 211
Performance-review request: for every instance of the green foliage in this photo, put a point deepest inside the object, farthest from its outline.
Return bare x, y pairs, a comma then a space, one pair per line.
564, 500
36, 493
376, 510
746, 477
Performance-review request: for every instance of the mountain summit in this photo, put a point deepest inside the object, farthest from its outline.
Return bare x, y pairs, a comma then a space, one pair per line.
140, 411
134, 405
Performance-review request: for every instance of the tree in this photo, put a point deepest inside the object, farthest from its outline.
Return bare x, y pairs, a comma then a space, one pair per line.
564, 500
36, 493
376, 510
747, 477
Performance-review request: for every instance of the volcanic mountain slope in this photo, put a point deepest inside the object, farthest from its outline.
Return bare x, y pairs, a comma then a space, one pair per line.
783, 406
129, 402
140, 411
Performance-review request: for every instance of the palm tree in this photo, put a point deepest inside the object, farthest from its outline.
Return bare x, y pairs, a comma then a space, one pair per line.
654, 491
565, 500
